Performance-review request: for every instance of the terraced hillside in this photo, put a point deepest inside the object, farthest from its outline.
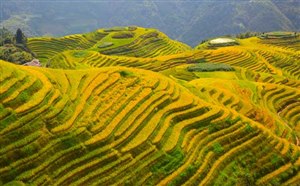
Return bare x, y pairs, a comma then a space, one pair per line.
272, 56
144, 129
223, 116
125, 41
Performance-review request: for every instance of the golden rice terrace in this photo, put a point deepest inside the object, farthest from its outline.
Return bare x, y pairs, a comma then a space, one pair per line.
130, 106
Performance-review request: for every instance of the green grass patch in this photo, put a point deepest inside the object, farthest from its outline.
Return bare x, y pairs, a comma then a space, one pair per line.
200, 60
80, 54
14, 183
217, 148
183, 177
105, 44
209, 67
69, 142
248, 128
169, 163
123, 35
114, 43
8, 120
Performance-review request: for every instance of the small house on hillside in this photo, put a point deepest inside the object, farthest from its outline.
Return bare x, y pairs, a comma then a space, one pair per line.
34, 62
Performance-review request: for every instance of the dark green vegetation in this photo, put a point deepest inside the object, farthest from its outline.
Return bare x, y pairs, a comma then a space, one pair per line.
279, 35
13, 47
123, 35
209, 67
247, 35
186, 21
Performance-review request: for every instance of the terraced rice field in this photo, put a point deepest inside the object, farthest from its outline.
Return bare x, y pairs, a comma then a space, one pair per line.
106, 116
145, 43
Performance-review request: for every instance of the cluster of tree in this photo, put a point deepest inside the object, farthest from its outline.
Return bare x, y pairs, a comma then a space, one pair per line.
13, 47
6, 37
9, 38
203, 41
247, 35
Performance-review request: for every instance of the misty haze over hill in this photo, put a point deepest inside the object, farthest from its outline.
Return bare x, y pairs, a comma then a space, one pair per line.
186, 21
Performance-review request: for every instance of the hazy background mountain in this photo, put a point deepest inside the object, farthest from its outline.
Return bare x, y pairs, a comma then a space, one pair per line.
187, 21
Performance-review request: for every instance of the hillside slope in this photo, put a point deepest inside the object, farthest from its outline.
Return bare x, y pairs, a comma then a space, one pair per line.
120, 107
260, 66
128, 126
120, 41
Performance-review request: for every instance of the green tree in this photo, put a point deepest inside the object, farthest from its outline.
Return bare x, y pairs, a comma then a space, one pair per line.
6, 37
20, 37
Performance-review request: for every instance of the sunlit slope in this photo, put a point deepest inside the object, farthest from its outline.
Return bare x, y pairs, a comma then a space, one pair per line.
290, 40
260, 55
46, 47
128, 126
262, 97
125, 41
73, 59
264, 85
252, 54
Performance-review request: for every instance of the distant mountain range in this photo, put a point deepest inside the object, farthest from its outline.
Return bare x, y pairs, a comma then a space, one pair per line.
187, 21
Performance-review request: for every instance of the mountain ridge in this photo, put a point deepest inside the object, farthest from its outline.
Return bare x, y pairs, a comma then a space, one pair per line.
196, 21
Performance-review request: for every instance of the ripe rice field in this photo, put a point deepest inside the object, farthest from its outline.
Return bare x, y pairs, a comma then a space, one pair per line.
132, 113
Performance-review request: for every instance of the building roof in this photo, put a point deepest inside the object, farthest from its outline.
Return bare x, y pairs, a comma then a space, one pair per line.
34, 62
